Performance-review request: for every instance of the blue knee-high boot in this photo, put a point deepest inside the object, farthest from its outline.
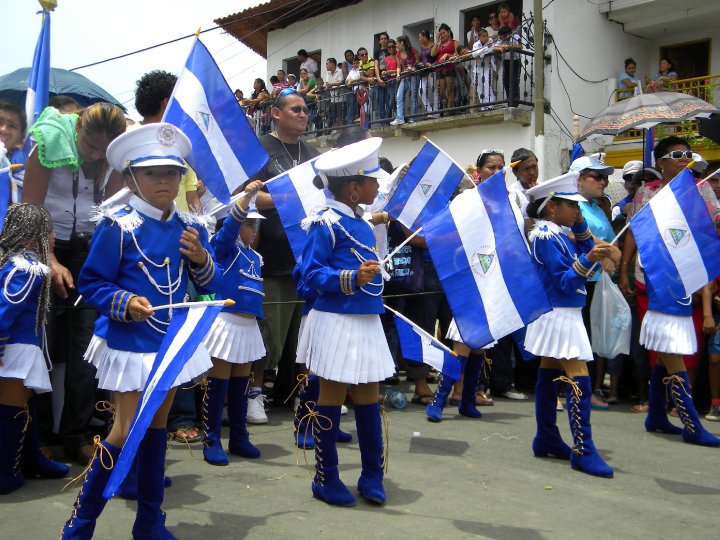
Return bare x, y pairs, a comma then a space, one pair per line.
212, 407
434, 410
303, 428
327, 485
547, 441
90, 501
584, 456
34, 464
681, 394
150, 519
370, 438
657, 419
471, 374
12, 427
237, 415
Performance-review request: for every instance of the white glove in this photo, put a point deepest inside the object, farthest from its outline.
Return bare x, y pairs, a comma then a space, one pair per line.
3, 151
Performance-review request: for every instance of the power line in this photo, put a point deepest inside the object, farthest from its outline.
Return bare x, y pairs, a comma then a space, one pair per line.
239, 19
573, 69
562, 83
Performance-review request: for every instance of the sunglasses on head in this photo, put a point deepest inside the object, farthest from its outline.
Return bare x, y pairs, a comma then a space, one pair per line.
491, 151
287, 91
678, 154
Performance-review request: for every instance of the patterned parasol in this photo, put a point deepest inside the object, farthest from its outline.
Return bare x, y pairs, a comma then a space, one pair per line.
644, 111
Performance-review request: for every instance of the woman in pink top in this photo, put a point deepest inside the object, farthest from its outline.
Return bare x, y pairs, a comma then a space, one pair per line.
444, 49
406, 57
507, 17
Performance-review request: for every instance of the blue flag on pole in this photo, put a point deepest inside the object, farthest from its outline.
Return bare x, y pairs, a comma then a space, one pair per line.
676, 239
577, 151
649, 145
38, 92
225, 151
187, 329
294, 196
483, 264
426, 188
419, 346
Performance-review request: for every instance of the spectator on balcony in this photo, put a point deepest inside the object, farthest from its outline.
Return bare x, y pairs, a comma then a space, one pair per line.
366, 66
390, 75
347, 64
307, 62
427, 80
462, 76
333, 79
665, 75
318, 103
493, 26
306, 83
259, 94
474, 33
352, 80
485, 69
509, 44
444, 49
506, 17
381, 94
628, 83
281, 84
406, 61
293, 81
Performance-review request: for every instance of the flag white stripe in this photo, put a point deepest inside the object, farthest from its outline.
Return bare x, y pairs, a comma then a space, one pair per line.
190, 95
476, 234
310, 196
417, 201
432, 355
193, 317
688, 261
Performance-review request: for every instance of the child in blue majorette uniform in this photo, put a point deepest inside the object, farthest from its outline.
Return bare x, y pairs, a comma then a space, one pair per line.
342, 340
25, 246
559, 337
142, 254
234, 341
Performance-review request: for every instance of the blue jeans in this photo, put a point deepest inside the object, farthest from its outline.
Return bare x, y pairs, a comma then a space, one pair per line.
405, 84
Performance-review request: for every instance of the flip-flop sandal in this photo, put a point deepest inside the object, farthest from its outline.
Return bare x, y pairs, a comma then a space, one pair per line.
419, 400
641, 408
482, 400
189, 434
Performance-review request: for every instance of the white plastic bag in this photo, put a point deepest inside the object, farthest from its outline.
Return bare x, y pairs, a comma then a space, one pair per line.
609, 320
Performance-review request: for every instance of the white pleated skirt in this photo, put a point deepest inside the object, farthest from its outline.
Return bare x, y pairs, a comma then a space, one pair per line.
453, 334
559, 334
235, 339
126, 371
670, 334
27, 363
350, 349
300, 359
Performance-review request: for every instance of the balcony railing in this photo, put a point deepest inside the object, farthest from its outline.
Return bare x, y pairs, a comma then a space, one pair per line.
706, 88
479, 85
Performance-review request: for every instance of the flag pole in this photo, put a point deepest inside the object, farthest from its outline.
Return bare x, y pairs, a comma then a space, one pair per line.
423, 332
208, 303
398, 248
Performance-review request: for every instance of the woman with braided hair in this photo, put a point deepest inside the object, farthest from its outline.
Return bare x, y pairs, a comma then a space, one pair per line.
25, 245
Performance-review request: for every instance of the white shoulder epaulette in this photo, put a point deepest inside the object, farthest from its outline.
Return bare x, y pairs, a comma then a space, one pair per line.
321, 214
32, 266
194, 219
125, 216
543, 230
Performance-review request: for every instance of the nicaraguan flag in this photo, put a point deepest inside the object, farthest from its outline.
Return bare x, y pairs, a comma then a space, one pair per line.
185, 333
676, 240
426, 188
225, 151
648, 145
483, 264
420, 347
38, 92
295, 196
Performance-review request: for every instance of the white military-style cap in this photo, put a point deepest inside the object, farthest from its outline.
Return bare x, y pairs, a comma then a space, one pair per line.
252, 211
593, 162
562, 187
358, 159
149, 145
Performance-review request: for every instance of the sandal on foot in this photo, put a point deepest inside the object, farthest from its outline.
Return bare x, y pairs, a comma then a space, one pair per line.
422, 399
641, 407
483, 399
189, 434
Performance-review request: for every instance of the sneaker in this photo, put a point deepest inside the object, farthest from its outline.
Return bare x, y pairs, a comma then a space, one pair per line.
514, 394
714, 414
344, 410
256, 408
397, 122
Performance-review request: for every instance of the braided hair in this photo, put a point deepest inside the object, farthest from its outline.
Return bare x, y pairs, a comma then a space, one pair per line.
27, 226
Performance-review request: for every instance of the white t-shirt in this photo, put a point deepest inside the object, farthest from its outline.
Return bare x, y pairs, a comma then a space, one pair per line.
311, 66
518, 191
335, 78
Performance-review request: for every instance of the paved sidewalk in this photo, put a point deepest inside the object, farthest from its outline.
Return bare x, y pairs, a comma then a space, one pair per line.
461, 478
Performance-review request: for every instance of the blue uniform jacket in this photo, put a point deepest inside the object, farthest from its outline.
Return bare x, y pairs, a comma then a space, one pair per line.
561, 263
241, 279
134, 253
666, 304
21, 279
337, 243
303, 291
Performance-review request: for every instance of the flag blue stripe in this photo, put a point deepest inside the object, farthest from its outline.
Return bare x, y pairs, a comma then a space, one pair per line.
525, 287
286, 197
655, 256
421, 164
206, 169
141, 422
452, 266
697, 216
40, 72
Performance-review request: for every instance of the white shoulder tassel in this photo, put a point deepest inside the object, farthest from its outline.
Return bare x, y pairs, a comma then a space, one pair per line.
193, 219
320, 215
128, 221
543, 230
32, 266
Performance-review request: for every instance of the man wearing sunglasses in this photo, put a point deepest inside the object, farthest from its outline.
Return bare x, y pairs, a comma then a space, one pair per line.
592, 182
280, 326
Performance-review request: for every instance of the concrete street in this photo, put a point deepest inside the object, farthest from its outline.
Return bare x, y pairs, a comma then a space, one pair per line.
461, 478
